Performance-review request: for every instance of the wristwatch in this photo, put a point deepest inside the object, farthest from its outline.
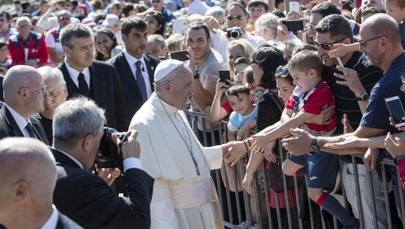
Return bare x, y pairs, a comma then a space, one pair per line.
363, 97
314, 145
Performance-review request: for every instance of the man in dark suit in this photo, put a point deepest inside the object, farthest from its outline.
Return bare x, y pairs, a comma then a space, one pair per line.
84, 197
93, 79
136, 82
26, 191
24, 95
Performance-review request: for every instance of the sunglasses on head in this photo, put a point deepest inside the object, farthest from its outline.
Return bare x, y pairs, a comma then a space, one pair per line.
283, 70
230, 18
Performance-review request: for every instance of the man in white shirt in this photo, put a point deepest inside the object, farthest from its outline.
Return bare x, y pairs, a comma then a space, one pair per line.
27, 178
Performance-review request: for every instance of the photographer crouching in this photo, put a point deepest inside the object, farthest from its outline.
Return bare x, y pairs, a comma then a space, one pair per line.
87, 198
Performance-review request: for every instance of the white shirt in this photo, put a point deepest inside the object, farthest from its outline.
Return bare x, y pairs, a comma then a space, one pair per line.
50, 42
21, 122
52, 221
74, 74
131, 61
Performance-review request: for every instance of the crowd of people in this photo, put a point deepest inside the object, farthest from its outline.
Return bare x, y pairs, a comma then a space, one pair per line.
300, 90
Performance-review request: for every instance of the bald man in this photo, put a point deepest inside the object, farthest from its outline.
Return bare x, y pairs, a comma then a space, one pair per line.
24, 93
26, 191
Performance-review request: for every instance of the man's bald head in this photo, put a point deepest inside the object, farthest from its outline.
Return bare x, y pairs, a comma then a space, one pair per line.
30, 160
382, 25
27, 181
23, 90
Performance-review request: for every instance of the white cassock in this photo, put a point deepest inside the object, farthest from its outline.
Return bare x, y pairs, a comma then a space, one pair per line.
184, 195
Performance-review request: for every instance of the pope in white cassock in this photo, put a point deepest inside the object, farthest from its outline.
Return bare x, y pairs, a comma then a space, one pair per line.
184, 195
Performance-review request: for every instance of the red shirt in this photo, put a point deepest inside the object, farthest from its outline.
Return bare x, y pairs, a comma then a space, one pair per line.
36, 49
313, 102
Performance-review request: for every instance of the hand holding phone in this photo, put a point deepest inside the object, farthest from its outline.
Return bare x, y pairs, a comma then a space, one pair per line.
396, 110
224, 76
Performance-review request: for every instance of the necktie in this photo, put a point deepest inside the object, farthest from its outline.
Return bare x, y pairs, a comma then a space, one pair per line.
30, 130
140, 81
83, 87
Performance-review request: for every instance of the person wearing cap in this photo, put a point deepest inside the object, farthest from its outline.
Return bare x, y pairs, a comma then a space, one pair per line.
112, 22
184, 195
52, 40
135, 68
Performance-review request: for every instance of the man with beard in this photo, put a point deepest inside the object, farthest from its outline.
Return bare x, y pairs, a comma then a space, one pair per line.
351, 95
93, 79
135, 68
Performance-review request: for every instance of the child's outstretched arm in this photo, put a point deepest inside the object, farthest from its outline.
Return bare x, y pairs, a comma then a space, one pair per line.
259, 140
339, 50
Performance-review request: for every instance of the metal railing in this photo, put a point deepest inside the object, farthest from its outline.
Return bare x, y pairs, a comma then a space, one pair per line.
240, 210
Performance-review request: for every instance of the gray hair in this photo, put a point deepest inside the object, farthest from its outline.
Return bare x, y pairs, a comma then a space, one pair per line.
215, 11
157, 38
49, 74
267, 20
76, 118
23, 18
74, 30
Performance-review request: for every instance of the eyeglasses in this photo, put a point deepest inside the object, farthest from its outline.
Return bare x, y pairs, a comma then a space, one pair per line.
230, 18
363, 43
42, 87
283, 70
327, 46
64, 18
155, 1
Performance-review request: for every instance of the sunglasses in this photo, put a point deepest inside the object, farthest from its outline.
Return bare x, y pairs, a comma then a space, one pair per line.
363, 43
230, 18
157, 1
327, 46
283, 70
64, 18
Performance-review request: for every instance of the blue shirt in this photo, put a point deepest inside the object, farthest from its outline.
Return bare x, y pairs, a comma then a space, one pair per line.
377, 114
236, 120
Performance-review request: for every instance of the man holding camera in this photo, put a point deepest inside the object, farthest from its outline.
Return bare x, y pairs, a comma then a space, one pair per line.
84, 197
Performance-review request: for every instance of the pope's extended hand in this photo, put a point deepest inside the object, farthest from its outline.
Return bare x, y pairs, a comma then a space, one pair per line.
233, 151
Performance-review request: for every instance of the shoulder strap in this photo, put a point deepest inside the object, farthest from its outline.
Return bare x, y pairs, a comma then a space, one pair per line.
277, 101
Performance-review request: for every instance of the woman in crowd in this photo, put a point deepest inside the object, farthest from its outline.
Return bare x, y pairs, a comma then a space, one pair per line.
106, 45
155, 22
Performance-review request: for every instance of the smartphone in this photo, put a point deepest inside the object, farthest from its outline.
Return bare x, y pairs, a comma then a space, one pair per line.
396, 110
224, 76
294, 25
179, 26
294, 6
180, 55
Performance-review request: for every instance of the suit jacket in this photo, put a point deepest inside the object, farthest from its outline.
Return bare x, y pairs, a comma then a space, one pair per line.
65, 222
9, 127
88, 200
129, 85
105, 90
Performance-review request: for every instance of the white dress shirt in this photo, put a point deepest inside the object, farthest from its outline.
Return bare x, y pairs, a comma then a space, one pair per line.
74, 74
131, 61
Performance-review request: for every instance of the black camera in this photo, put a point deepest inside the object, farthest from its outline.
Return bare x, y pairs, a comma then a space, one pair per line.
234, 32
108, 155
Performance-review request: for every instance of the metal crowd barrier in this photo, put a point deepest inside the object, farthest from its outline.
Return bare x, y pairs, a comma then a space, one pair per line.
240, 210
